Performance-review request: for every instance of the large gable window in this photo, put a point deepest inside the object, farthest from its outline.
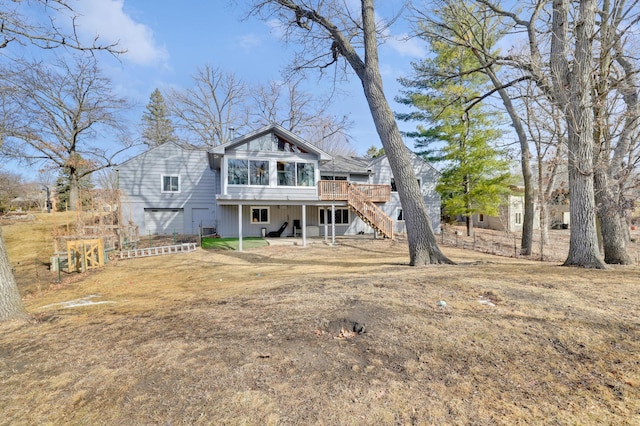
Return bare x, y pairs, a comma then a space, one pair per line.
170, 183
248, 172
295, 174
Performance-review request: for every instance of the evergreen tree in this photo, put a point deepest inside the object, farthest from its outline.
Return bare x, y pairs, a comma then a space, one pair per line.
374, 152
476, 173
156, 124
63, 191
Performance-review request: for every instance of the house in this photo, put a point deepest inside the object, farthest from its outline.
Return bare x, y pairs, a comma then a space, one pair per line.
267, 181
510, 216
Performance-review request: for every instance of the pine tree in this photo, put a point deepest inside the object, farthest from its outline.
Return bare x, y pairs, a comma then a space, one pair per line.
156, 124
476, 173
63, 190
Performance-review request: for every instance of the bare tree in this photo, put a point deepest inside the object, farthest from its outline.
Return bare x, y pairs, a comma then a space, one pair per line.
331, 36
571, 68
563, 74
18, 27
61, 115
212, 110
328, 134
616, 113
301, 112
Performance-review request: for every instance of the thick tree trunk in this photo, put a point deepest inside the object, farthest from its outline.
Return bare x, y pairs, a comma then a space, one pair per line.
10, 302
614, 238
423, 247
74, 191
583, 240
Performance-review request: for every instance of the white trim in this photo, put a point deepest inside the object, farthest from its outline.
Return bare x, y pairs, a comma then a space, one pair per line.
267, 208
163, 191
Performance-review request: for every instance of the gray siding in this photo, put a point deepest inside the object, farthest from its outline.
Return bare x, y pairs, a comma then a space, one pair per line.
428, 177
140, 183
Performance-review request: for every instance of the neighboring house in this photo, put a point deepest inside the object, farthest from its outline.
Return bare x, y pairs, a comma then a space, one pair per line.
256, 183
511, 214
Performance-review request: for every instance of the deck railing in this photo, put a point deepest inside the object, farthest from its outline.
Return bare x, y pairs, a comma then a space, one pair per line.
339, 190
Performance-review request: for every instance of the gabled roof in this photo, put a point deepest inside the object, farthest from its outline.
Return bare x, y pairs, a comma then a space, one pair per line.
277, 130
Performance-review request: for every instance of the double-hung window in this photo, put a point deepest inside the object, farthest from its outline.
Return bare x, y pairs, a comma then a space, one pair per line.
260, 214
170, 183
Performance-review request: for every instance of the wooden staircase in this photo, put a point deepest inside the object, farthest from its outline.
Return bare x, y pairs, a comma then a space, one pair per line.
366, 210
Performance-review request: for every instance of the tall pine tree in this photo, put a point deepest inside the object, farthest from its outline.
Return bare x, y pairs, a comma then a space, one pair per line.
156, 123
476, 174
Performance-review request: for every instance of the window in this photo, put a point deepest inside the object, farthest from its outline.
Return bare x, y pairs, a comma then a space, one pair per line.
480, 217
395, 189
399, 215
259, 173
295, 174
248, 172
237, 172
325, 177
518, 218
260, 214
342, 216
306, 174
171, 183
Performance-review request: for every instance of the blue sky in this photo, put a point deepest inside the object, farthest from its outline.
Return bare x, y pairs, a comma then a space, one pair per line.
167, 41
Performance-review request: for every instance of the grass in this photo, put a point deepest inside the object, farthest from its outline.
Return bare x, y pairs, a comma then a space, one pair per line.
210, 243
266, 336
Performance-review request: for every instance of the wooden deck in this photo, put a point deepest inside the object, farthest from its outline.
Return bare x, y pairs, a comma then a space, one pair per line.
361, 199
339, 190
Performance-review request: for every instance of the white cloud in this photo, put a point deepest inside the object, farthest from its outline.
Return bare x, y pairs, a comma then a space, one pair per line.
108, 20
249, 41
407, 46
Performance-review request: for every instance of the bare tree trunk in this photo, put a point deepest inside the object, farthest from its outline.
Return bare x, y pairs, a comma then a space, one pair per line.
611, 229
423, 247
583, 240
74, 192
10, 302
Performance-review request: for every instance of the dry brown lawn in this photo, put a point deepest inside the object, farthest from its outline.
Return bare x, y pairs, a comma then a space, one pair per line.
345, 335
